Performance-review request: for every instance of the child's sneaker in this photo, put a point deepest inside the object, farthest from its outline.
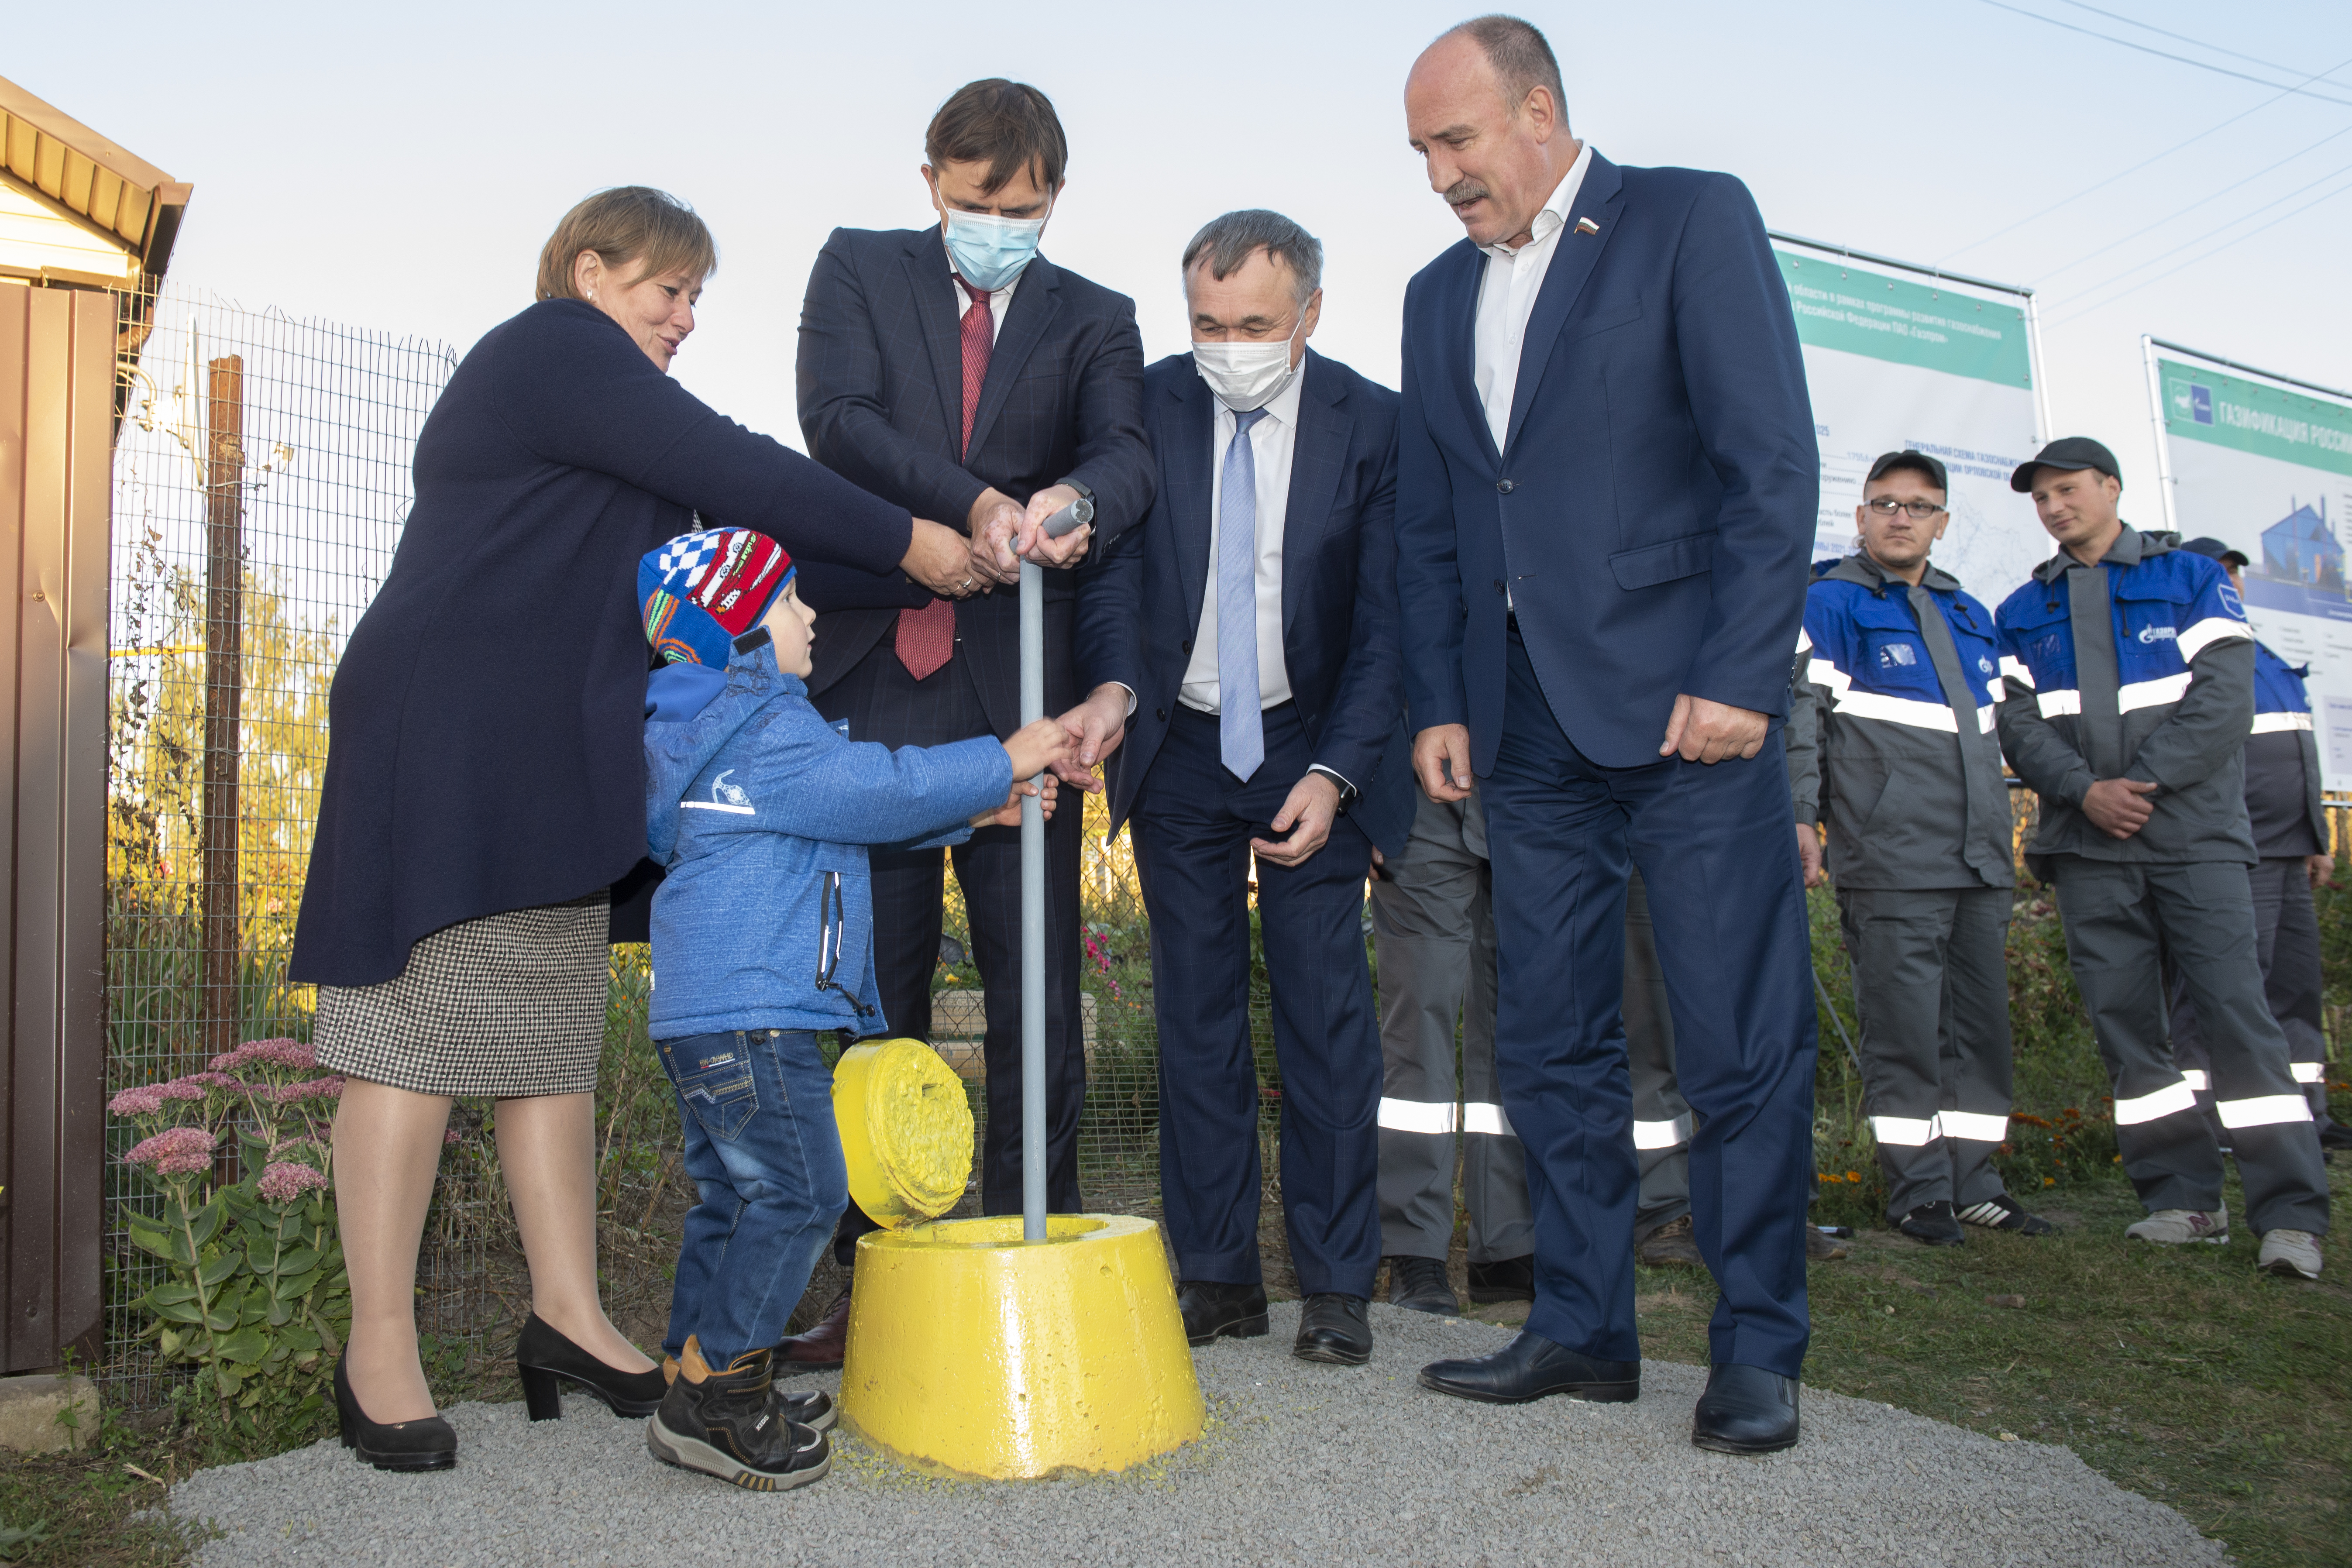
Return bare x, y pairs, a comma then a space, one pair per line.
2176, 1228
812, 1408
732, 1425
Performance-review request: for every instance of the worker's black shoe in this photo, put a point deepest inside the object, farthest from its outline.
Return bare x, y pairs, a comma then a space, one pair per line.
1335, 1329
2002, 1212
1530, 1367
732, 1425
1672, 1245
1745, 1410
1420, 1284
1504, 1279
1210, 1308
2336, 1135
1934, 1223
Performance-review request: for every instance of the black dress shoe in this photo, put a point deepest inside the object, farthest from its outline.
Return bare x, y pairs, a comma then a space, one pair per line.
1419, 1284
1530, 1367
1504, 1279
1212, 1308
1746, 1410
1336, 1329
426, 1444
822, 1348
547, 1362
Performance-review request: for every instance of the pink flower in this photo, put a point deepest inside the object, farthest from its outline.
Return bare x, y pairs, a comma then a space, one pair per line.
183, 1089
308, 1088
147, 1100
278, 1053
284, 1181
449, 1138
175, 1152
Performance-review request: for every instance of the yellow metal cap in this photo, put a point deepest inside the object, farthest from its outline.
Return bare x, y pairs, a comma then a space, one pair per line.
906, 1130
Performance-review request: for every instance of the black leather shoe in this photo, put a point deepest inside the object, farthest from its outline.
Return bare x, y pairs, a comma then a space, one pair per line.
1419, 1284
1504, 1279
1530, 1367
822, 1348
1934, 1223
547, 1361
1746, 1410
1336, 1329
1211, 1309
426, 1444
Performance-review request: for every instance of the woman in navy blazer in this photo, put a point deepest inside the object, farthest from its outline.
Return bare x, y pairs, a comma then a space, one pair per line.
486, 786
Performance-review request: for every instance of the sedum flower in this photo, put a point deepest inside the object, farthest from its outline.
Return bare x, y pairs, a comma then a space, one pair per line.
280, 1053
284, 1181
146, 1100
175, 1152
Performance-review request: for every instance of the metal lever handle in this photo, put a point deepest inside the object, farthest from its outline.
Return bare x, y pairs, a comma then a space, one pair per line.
1080, 511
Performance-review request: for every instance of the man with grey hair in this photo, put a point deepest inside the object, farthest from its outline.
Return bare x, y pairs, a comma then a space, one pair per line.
1241, 647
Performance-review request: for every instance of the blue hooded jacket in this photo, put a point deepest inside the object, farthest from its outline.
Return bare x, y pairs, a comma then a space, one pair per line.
762, 812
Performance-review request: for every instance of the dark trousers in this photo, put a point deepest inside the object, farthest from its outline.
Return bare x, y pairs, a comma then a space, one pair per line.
1717, 855
1192, 826
2121, 920
882, 701
1931, 983
2286, 940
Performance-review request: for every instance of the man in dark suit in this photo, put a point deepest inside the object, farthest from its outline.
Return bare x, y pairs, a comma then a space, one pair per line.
1244, 643
957, 365
1607, 481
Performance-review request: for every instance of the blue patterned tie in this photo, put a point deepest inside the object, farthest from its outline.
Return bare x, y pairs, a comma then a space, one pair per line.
1241, 727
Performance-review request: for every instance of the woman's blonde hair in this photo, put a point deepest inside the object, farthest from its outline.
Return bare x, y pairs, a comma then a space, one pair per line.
627, 224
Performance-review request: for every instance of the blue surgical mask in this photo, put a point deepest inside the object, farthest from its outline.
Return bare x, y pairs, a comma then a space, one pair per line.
990, 251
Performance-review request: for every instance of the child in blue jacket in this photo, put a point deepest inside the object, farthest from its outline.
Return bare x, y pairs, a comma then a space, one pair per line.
761, 812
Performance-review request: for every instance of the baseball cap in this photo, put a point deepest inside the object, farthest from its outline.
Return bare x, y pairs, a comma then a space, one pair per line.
1908, 459
2069, 453
702, 590
2213, 549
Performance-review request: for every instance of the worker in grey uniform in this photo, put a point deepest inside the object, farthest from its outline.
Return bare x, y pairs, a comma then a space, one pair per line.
1433, 931
2289, 822
1902, 682
2128, 670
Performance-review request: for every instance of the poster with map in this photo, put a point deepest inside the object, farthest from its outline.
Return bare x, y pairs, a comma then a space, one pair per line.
2264, 464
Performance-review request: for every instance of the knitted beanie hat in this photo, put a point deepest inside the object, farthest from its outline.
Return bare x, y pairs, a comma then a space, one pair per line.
702, 590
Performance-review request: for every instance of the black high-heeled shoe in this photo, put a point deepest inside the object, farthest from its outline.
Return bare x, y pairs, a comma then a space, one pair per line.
546, 1361
426, 1444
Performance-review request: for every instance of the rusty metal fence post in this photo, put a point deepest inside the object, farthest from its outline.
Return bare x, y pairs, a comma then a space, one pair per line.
224, 467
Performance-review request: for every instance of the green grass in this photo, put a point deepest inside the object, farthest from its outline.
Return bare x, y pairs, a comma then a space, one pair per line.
2179, 1373
91, 1509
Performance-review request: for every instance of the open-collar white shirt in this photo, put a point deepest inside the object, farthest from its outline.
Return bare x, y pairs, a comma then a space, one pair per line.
1506, 297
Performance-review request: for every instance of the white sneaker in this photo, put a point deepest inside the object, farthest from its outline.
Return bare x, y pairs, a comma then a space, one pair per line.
2173, 1226
2290, 1254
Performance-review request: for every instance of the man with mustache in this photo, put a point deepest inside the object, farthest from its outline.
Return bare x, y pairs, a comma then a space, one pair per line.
1607, 483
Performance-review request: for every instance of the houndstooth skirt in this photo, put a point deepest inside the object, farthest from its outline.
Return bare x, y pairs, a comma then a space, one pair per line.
509, 1005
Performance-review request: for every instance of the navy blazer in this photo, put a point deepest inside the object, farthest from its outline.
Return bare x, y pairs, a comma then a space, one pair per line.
1141, 605
881, 400
489, 711
1651, 511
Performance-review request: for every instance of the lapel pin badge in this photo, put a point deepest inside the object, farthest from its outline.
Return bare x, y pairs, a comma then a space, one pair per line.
1586, 225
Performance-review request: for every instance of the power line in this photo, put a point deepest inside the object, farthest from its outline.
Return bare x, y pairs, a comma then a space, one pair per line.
2166, 55
2218, 228
2183, 37
2206, 256
2234, 185
2136, 168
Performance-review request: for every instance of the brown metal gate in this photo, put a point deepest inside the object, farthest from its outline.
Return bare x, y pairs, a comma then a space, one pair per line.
57, 404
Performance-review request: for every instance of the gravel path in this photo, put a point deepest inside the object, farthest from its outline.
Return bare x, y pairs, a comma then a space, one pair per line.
1301, 1464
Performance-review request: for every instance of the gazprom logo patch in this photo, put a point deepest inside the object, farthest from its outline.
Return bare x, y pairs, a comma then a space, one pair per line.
2150, 636
2231, 603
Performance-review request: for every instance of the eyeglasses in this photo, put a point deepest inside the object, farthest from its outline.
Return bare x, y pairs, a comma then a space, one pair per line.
1919, 511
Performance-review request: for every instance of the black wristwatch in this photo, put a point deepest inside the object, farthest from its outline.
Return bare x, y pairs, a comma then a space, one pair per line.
1085, 504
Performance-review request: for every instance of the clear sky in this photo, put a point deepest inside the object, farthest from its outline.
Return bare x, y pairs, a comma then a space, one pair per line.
399, 167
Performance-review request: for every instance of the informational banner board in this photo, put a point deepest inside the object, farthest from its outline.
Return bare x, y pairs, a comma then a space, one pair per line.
2264, 464
1898, 356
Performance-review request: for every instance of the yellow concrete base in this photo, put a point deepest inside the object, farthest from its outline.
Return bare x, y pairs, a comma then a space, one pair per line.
906, 1130
975, 1353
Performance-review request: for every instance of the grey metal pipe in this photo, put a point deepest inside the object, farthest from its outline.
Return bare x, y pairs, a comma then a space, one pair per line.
1032, 920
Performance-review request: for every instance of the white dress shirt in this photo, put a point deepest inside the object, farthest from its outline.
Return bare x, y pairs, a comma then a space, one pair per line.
1272, 441
999, 301
1506, 297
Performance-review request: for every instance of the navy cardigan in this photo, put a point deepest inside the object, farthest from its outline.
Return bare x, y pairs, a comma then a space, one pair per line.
489, 713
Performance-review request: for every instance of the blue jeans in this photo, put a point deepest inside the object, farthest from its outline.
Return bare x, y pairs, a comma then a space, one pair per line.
764, 1154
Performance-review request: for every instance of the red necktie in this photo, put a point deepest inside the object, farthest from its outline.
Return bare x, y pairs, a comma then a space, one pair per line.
926, 637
